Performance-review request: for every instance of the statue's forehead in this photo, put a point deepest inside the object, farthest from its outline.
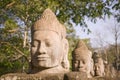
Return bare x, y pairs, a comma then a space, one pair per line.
46, 36
45, 33
82, 58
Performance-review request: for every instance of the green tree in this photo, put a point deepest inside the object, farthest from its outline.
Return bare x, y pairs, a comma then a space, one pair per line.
12, 56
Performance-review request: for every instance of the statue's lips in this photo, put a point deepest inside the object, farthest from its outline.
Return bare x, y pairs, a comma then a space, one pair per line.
42, 57
97, 72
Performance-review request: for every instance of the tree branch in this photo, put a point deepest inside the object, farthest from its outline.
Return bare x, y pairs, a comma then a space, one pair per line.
21, 54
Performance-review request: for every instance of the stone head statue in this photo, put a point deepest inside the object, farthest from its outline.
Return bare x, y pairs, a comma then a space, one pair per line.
99, 70
82, 59
98, 64
49, 47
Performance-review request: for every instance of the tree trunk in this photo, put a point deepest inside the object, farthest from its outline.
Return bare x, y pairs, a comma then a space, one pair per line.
25, 39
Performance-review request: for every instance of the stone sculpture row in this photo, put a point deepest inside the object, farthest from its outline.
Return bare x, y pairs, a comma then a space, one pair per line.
85, 61
49, 50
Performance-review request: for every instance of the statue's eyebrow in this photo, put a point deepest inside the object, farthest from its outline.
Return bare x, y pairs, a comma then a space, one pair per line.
47, 40
36, 40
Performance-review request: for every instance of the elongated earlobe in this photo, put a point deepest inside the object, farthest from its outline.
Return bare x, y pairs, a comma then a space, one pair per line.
65, 61
92, 68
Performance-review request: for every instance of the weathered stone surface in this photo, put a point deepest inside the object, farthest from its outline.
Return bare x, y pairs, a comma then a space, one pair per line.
20, 76
75, 76
59, 76
49, 50
104, 78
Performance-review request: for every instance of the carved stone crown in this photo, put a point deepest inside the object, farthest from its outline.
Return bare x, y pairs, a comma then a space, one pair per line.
81, 45
81, 50
48, 21
78, 53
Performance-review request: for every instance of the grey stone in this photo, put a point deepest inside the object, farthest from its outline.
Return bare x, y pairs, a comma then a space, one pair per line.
49, 51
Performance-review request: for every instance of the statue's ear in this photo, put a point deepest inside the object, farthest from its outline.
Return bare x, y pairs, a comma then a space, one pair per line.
65, 46
92, 68
65, 62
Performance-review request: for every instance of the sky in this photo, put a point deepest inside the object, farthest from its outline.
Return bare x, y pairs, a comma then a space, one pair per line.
99, 30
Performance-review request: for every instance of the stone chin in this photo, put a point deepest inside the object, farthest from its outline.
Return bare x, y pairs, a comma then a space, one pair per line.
44, 63
98, 73
81, 70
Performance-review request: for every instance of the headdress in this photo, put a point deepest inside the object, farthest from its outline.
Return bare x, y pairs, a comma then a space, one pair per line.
48, 21
81, 50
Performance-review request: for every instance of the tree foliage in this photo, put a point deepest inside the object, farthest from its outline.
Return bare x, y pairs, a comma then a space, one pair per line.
11, 52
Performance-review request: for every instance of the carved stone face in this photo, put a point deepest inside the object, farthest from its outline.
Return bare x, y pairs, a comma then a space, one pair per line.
99, 68
46, 49
83, 64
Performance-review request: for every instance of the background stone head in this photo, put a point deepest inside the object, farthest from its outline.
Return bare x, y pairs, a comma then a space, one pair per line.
81, 50
82, 59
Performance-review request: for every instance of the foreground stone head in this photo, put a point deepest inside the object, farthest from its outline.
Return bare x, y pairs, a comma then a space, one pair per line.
49, 46
82, 59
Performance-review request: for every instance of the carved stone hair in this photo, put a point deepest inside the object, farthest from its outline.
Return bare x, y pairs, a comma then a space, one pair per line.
81, 50
48, 21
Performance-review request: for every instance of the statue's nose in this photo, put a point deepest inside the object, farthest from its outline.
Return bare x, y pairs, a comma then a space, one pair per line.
80, 64
42, 49
97, 68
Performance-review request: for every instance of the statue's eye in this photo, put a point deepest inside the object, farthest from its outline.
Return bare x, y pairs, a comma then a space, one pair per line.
83, 62
34, 44
48, 44
98, 66
76, 62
